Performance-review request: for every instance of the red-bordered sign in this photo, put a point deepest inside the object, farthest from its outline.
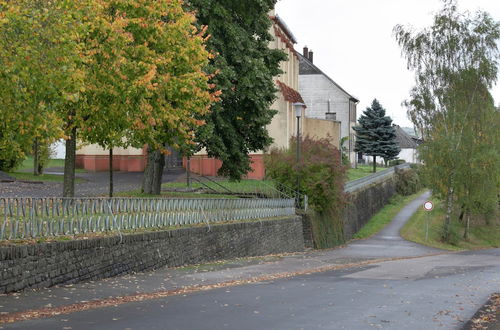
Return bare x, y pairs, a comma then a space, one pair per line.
428, 206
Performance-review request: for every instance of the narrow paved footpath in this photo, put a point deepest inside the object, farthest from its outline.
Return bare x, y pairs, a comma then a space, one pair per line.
381, 282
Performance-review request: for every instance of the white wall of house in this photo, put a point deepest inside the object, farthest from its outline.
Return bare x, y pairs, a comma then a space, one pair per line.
409, 155
59, 150
316, 90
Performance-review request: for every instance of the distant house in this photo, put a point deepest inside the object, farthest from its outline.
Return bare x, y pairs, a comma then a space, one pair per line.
326, 100
408, 145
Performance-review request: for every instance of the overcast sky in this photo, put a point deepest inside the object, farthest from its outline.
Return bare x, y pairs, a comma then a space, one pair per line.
353, 43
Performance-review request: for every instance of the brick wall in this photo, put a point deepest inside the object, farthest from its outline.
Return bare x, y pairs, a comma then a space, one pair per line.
48, 264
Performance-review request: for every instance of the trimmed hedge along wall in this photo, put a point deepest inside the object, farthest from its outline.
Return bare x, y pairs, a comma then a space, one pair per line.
48, 264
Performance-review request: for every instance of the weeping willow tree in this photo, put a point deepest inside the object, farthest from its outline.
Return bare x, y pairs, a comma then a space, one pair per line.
456, 63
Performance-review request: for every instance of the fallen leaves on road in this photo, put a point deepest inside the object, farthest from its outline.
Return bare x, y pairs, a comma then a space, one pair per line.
115, 301
487, 315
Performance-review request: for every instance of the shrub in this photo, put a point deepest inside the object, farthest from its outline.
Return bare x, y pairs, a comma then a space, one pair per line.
407, 182
10, 158
45, 151
320, 170
322, 177
396, 162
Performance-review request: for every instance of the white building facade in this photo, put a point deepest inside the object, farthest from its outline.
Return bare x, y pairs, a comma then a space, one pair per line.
325, 99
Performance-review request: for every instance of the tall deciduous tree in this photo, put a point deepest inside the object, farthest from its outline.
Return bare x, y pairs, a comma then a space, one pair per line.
245, 67
35, 78
166, 57
111, 79
455, 63
375, 135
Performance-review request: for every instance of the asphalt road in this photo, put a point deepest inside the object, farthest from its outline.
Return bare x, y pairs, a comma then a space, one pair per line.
437, 292
423, 289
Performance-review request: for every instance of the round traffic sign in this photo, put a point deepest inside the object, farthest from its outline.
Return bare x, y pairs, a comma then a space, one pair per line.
428, 206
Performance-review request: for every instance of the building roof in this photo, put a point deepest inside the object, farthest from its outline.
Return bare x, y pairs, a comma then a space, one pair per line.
306, 67
405, 141
284, 27
290, 94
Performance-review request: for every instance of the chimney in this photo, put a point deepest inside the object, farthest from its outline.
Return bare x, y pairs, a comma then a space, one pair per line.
306, 52
310, 58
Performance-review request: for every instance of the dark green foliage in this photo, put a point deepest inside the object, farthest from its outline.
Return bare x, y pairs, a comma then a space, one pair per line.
344, 142
396, 162
322, 178
327, 229
245, 68
375, 135
11, 152
407, 182
9, 162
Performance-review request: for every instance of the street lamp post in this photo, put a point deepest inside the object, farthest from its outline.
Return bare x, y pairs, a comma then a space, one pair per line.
298, 107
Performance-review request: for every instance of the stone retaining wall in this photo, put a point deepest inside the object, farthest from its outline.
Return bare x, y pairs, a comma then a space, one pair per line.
48, 264
365, 203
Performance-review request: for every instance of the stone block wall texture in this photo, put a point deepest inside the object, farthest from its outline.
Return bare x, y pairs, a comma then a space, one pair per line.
365, 203
47, 264
307, 230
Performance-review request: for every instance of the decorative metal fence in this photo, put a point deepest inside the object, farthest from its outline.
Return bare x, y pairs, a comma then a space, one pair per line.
49, 217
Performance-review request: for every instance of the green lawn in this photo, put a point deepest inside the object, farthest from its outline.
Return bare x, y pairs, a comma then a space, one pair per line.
27, 164
243, 186
43, 178
138, 194
385, 215
481, 235
25, 171
361, 172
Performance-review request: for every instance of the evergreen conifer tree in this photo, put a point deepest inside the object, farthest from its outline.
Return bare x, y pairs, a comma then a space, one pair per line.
375, 135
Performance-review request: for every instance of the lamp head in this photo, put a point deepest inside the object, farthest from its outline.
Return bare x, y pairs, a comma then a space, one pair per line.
298, 109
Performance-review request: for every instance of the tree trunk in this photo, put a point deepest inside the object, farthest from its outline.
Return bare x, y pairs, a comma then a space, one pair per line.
111, 172
449, 209
36, 157
147, 178
467, 226
151, 182
69, 166
374, 164
158, 172
462, 213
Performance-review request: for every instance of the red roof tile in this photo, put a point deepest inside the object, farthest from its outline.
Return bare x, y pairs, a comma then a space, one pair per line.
290, 94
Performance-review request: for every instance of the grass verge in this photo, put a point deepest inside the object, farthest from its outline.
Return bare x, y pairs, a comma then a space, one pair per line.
112, 233
385, 215
481, 235
243, 186
173, 194
27, 165
41, 178
361, 172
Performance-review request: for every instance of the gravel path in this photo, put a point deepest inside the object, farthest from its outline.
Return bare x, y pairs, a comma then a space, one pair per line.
94, 184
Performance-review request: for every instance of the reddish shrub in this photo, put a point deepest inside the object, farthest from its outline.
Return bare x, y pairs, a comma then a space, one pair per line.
320, 170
